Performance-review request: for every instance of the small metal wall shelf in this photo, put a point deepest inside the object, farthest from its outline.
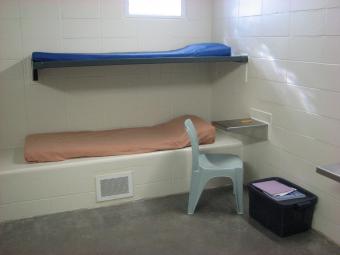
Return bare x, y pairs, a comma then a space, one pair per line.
249, 127
330, 171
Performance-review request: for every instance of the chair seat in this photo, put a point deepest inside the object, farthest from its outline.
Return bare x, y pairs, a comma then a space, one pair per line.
219, 161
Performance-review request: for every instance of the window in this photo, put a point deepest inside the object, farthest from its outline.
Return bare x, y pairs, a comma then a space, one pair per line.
163, 8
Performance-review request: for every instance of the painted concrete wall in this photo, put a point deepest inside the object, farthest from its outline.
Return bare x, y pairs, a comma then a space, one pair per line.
294, 74
94, 98
102, 97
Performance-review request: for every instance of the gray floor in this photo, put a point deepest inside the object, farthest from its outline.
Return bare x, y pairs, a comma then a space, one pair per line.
157, 226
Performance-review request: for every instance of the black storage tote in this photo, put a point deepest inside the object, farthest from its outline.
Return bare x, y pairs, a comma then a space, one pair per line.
282, 217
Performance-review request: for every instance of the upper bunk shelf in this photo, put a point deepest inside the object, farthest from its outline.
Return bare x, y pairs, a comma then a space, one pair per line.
196, 53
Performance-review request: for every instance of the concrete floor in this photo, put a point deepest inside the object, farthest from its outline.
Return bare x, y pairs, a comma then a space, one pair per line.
157, 226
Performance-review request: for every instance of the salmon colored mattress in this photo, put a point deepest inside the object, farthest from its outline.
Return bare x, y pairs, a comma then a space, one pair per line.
68, 145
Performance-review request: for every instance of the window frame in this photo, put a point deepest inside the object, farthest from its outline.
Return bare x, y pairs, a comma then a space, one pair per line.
128, 15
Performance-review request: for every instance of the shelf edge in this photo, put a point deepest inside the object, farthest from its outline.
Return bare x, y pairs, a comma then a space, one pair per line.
38, 65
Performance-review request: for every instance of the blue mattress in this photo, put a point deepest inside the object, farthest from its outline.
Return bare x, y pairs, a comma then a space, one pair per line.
193, 50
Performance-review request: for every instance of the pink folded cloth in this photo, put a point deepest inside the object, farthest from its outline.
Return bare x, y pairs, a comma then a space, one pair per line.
274, 188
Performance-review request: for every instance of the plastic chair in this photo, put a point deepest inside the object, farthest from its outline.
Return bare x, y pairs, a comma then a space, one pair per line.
207, 166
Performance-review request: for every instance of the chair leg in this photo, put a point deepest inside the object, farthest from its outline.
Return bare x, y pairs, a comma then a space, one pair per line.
239, 190
197, 186
234, 184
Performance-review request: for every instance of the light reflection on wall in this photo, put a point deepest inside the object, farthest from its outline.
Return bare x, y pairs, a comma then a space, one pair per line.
253, 46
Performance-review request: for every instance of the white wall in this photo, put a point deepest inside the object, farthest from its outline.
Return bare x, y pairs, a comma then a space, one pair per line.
294, 73
103, 97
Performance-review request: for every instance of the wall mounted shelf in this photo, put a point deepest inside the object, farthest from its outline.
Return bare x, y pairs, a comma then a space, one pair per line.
38, 65
330, 171
229, 125
249, 127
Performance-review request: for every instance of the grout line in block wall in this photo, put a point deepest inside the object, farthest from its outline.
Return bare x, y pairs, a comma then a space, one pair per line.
47, 199
101, 25
316, 9
26, 79
298, 61
286, 83
300, 110
311, 88
292, 132
286, 36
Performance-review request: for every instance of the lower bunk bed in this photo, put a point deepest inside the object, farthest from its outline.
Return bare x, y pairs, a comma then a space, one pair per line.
28, 190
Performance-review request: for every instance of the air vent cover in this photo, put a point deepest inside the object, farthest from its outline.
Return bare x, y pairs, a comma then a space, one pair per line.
114, 186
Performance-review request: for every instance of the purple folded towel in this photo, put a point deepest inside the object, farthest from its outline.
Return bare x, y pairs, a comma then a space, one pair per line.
274, 188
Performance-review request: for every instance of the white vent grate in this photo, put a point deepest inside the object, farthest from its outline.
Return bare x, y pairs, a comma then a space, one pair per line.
114, 186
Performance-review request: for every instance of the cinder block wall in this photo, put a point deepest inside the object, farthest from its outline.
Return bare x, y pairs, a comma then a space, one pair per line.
103, 97
294, 74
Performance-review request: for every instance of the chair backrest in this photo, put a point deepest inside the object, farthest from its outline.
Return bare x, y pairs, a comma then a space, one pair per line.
191, 130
